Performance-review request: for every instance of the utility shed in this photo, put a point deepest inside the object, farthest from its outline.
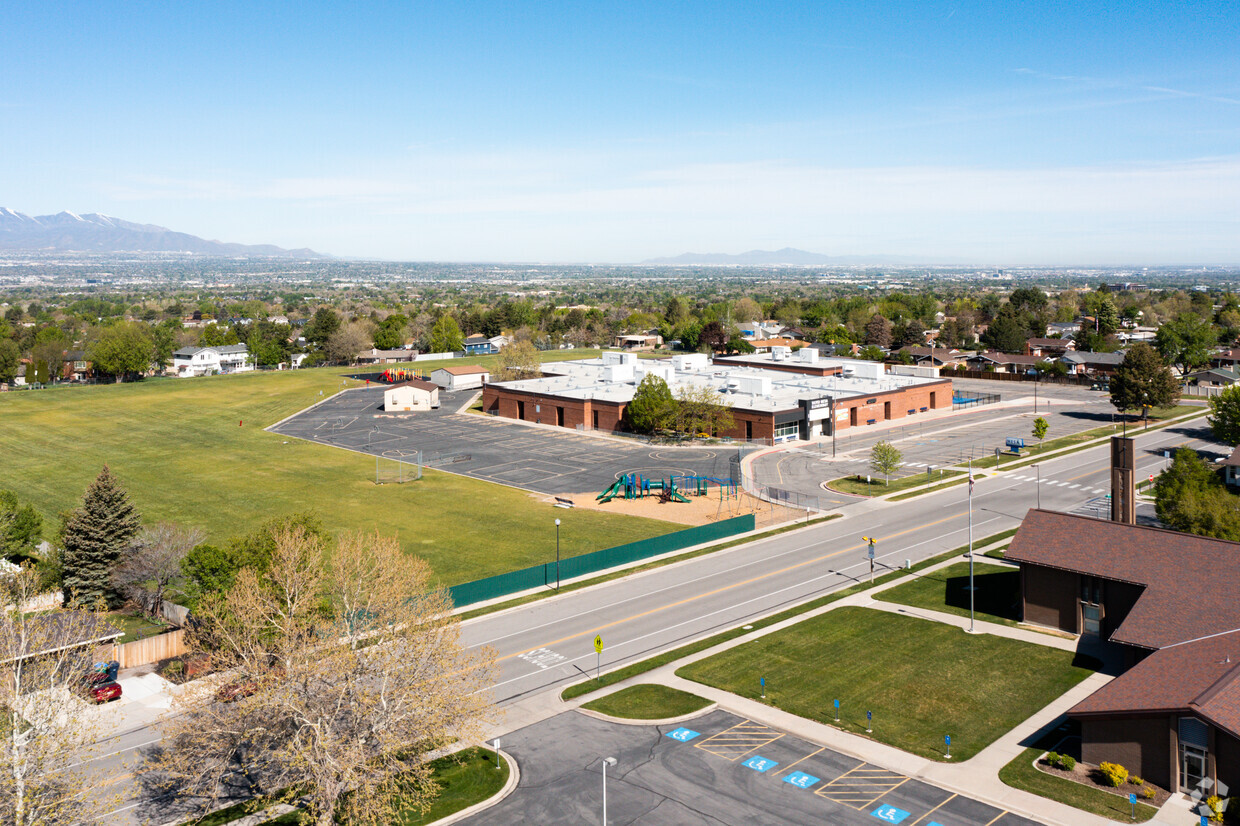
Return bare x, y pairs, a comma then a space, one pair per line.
414, 394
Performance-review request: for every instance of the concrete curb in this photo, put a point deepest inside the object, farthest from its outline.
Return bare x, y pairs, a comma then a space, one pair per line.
269, 428
514, 777
628, 721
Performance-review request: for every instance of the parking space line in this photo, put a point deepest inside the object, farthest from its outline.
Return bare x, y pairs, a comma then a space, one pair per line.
1001, 814
935, 809
736, 742
862, 786
802, 760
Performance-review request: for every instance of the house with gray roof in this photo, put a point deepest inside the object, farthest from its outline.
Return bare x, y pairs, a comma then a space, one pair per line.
210, 361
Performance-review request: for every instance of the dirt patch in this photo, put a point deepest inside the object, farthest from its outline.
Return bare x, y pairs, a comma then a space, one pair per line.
699, 510
1088, 774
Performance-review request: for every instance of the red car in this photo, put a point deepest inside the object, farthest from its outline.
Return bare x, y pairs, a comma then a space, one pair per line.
104, 692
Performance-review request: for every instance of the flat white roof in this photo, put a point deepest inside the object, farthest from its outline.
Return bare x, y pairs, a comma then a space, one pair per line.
745, 388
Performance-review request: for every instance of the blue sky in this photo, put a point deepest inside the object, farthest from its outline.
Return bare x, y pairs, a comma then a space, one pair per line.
999, 133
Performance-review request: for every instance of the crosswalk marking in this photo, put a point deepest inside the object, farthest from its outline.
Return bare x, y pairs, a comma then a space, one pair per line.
1073, 487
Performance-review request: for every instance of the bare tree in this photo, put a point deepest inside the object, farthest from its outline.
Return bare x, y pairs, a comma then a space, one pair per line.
345, 344
700, 411
347, 674
519, 360
46, 731
153, 563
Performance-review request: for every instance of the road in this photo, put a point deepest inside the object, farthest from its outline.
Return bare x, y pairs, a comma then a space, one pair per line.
548, 644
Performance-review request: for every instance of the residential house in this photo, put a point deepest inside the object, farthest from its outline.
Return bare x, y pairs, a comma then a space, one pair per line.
209, 361
1169, 604
76, 367
1091, 363
278, 319
1231, 465
1049, 347
1214, 377
642, 341
760, 329
1064, 329
1226, 358
936, 356
767, 345
1003, 362
480, 345
376, 356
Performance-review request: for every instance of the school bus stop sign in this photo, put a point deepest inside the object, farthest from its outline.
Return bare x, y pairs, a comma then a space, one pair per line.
598, 643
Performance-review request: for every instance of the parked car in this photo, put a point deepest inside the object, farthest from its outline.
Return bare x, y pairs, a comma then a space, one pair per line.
247, 687
104, 692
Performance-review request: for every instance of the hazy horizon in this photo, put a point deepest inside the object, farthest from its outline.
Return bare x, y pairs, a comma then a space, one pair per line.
1022, 135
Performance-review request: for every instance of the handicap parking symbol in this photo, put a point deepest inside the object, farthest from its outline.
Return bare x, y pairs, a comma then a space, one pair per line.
801, 780
889, 814
684, 735
759, 764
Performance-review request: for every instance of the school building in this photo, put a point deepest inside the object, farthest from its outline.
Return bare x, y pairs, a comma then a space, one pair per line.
771, 405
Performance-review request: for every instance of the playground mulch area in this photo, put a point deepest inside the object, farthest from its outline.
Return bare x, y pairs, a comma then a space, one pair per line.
699, 510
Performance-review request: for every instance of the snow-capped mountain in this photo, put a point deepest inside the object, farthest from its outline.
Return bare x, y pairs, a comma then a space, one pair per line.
70, 232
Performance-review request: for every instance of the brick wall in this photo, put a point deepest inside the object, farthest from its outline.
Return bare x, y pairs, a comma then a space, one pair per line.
898, 402
1143, 745
1049, 597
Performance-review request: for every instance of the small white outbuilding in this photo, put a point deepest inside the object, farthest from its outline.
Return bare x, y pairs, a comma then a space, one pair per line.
462, 377
414, 394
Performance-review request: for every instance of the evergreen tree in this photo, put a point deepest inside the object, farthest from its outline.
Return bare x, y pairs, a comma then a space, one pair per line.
1143, 381
94, 536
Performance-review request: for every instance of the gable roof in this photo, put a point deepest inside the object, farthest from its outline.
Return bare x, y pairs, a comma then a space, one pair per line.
419, 384
465, 370
1090, 357
1190, 582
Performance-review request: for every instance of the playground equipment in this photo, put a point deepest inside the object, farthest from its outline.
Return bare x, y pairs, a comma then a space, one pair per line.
671, 489
395, 375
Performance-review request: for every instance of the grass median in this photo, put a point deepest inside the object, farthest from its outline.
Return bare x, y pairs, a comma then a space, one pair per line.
659, 660
997, 598
860, 487
921, 680
648, 702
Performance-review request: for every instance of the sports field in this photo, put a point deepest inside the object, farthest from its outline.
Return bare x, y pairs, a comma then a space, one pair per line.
194, 451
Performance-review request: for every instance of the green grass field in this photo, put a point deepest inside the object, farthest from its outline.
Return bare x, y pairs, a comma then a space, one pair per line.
648, 702
1021, 774
922, 680
194, 451
997, 598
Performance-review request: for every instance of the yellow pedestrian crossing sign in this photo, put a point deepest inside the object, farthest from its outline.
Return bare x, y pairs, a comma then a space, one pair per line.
598, 643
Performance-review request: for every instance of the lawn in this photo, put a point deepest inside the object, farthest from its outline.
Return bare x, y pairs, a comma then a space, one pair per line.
194, 451
648, 702
1021, 774
860, 487
922, 680
135, 626
997, 598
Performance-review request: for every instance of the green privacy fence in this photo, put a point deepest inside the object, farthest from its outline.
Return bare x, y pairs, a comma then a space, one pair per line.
539, 576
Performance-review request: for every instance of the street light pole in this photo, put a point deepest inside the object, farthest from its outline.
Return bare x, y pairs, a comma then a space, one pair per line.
557, 554
607, 761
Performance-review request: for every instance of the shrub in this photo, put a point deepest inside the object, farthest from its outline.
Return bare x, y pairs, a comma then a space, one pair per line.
1113, 773
174, 670
1216, 808
1052, 758
1148, 792
1136, 781
1067, 762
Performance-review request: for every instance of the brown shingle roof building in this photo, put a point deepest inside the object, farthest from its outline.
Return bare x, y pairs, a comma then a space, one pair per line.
1171, 601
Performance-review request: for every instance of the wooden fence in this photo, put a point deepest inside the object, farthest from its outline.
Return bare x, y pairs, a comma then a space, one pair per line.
151, 649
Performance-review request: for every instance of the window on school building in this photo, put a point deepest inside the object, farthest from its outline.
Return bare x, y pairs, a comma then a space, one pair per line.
787, 431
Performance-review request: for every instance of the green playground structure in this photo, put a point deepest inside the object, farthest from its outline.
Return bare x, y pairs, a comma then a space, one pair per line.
672, 489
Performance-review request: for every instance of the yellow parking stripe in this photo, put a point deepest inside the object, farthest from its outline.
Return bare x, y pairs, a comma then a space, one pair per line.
743, 738
861, 786
1001, 814
792, 765
935, 809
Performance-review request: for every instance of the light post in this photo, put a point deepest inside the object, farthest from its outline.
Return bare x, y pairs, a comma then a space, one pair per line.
970, 546
607, 761
557, 554
369, 435
870, 553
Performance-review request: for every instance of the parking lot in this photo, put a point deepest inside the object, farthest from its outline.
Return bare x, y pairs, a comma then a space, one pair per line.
938, 442
542, 459
718, 768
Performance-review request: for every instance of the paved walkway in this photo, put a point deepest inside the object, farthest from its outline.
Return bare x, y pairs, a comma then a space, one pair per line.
977, 777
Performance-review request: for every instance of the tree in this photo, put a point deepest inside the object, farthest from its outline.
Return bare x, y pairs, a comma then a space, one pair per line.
870, 352
49, 349
123, 350
519, 360
1225, 415
152, 564
46, 741
1008, 332
736, 344
913, 334
446, 336
358, 672
653, 408
213, 570
746, 309
878, 331
1188, 496
94, 537
322, 324
10, 360
346, 343
701, 411
885, 459
676, 312
1040, 426
1186, 341
1143, 381
21, 527
1107, 316
714, 336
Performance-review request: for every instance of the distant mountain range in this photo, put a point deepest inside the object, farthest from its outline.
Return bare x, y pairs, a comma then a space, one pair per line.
68, 232
787, 257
